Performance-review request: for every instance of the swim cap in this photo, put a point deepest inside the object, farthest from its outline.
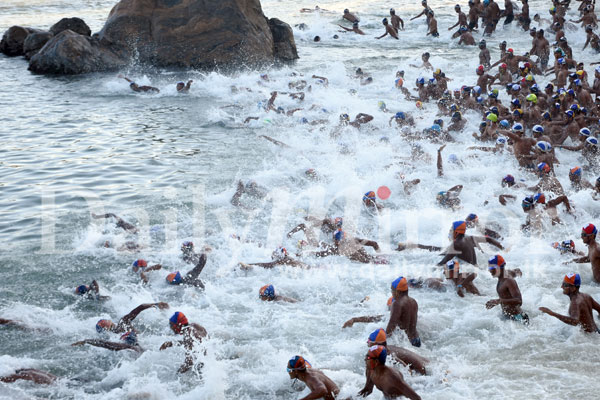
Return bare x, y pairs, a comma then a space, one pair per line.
574, 107
543, 167
420, 81
137, 264
496, 261
437, 71
543, 146
534, 88
459, 227
338, 222
177, 321
472, 217
267, 292
400, 284
457, 116
381, 105
399, 82
174, 278
479, 99
572, 279
392, 11
384, 21
501, 140
503, 66
589, 229
104, 325
532, 98
540, 198
453, 107
377, 337
527, 202
585, 132
516, 88
436, 128
504, 123
492, 117
279, 253
452, 265
378, 353
130, 338
344, 117
432, 81
480, 69
298, 363
546, 115
400, 115
419, 104
538, 129
439, 121
517, 113
577, 82
575, 171
187, 245
494, 110
339, 235
82, 289
369, 196
592, 141
517, 128
508, 179
529, 78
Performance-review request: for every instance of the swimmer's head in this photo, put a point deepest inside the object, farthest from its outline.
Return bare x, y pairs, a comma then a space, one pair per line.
104, 325
543, 168
339, 221
369, 197
384, 21
296, 365
471, 220
400, 285
451, 269
267, 293
392, 11
317, 39
543, 146
187, 246
501, 140
591, 143
495, 263
377, 337
130, 338
279, 253
344, 117
82, 289
139, 264
381, 105
174, 278
178, 321
458, 228
508, 180
376, 356
571, 280
180, 86
588, 232
575, 174
346, 11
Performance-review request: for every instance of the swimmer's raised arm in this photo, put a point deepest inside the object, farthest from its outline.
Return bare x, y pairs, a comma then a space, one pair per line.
114, 346
364, 319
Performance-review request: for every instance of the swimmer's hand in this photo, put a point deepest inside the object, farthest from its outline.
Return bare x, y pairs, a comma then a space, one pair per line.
166, 345
161, 305
545, 310
492, 303
365, 392
349, 323
441, 148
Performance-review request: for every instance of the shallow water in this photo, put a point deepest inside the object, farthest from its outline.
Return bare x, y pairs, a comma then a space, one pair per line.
170, 163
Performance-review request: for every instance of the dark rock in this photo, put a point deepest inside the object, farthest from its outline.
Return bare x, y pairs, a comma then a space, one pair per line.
12, 41
75, 24
72, 53
284, 46
34, 42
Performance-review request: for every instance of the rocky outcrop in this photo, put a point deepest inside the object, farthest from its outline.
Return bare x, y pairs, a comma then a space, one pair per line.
75, 24
72, 53
13, 39
162, 33
34, 42
284, 46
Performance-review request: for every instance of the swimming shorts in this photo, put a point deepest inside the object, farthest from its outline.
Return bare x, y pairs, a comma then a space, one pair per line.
509, 19
416, 342
435, 34
522, 318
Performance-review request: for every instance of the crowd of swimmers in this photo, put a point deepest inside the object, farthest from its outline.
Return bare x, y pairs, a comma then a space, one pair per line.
536, 122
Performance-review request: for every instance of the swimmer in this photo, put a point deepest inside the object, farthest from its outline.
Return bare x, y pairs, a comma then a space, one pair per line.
449, 198
462, 19
192, 278
184, 87
426, 64
370, 201
91, 291
463, 246
432, 25
351, 247
128, 342
191, 333
412, 360
136, 88
120, 222
189, 255
320, 386
30, 374
125, 323
354, 29
396, 21
473, 221
327, 226
251, 189
425, 11
404, 312
535, 216
548, 181
388, 380
141, 267
508, 292
389, 30
280, 257
267, 293
577, 182
581, 306
588, 235
359, 120
462, 281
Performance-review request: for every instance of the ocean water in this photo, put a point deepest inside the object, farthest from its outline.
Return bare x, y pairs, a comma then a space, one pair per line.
170, 164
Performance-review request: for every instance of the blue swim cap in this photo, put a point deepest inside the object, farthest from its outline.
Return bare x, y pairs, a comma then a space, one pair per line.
400, 115
504, 123
82, 289
436, 127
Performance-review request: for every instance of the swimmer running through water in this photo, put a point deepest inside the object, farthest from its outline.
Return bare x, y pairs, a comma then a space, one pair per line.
192, 333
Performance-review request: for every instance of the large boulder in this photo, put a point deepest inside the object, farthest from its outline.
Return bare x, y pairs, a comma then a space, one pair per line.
13, 39
72, 53
190, 33
34, 42
75, 24
284, 46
